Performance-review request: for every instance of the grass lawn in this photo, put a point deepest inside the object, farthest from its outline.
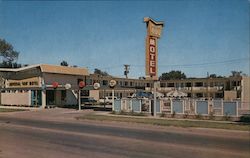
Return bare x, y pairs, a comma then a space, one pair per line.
10, 110
166, 122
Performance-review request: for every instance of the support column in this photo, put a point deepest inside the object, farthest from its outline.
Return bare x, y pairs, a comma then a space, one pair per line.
43, 98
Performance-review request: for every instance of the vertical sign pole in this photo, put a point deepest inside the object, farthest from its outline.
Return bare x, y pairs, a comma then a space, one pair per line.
155, 82
79, 99
112, 84
113, 99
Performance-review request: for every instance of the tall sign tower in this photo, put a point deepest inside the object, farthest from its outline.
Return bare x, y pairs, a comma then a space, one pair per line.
153, 34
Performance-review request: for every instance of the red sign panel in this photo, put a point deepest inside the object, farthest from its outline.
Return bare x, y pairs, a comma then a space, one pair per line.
152, 57
55, 84
81, 84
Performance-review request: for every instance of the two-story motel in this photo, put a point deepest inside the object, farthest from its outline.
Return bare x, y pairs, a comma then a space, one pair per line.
35, 86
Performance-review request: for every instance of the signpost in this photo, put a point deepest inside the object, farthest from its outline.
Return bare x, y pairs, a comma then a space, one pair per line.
154, 30
81, 85
156, 85
112, 84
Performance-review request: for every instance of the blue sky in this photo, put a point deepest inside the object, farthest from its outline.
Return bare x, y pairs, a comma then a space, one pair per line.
199, 36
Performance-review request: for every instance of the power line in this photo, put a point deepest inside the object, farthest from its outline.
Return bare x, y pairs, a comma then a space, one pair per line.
182, 65
210, 63
203, 64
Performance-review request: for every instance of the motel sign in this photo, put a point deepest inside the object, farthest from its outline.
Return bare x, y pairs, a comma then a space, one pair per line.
152, 57
153, 33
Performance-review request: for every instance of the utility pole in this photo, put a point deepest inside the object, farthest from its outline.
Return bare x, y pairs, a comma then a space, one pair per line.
126, 70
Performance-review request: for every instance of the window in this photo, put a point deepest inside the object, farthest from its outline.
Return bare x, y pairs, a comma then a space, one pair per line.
104, 82
199, 95
198, 84
15, 84
182, 85
85, 93
34, 83
218, 95
120, 83
131, 84
177, 85
24, 83
170, 84
205, 84
188, 84
163, 84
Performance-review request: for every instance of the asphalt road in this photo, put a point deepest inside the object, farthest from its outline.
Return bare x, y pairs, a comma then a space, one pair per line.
24, 138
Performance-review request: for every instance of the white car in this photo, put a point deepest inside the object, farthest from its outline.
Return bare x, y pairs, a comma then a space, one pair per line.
107, 100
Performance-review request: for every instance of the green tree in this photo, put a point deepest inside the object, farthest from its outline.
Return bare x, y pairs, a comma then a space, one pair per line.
100, 72
64, 63
8, 54
213, 76
236, 73
172, 75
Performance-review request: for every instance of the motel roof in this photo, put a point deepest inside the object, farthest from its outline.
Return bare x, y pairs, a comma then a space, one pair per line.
45, 68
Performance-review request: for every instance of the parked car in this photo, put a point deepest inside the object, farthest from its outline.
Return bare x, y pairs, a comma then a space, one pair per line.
88, 100
107, 100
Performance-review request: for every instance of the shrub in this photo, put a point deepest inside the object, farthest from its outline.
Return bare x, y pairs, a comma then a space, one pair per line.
245, 118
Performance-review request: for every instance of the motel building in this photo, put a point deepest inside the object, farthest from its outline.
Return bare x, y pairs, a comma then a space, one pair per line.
41, 85
45, 85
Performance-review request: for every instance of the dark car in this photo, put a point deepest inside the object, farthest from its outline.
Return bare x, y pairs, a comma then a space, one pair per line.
88, 100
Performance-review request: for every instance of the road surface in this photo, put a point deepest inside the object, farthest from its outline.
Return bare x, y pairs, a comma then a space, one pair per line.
26, 138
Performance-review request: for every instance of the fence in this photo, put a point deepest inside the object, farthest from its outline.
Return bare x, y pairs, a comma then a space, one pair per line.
216, 107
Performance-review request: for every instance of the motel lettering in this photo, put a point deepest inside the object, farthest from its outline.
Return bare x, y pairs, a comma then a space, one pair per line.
152, 56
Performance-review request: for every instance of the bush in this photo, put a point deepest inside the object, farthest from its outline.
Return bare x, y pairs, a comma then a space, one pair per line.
245, 118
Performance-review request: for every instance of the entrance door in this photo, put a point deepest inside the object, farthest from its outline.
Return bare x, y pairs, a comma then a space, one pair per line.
50, 97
